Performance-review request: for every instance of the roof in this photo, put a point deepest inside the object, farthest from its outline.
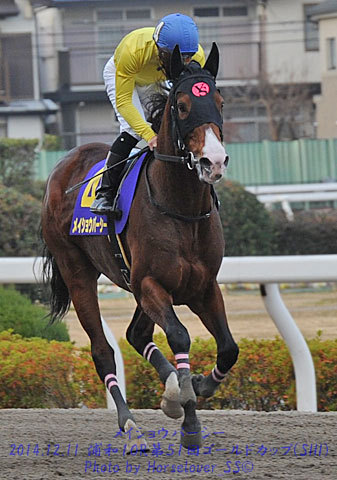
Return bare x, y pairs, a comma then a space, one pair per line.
28, 107
71, 3
8, 8
324, 8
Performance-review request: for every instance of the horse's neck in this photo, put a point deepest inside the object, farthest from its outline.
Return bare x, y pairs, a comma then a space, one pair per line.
179, 189
175, 186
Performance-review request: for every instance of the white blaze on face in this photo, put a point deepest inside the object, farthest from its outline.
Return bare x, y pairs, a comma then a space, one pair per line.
215, 152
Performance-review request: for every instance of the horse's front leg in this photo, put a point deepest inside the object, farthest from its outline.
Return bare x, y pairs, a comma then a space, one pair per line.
156, 302
140, 335
212, 313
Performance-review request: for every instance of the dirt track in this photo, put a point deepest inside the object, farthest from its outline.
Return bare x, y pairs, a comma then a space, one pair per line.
247, 316
287, 445
53, 444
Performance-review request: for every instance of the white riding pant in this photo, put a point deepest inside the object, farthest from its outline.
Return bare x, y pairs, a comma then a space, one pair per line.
140, 96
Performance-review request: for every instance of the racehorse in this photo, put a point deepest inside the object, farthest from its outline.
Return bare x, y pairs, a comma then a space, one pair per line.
173, 242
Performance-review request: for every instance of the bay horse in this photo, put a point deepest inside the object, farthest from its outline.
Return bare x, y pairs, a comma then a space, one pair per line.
173, 242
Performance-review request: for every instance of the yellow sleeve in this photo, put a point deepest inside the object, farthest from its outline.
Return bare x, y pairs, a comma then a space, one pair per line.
126, 70
200, 56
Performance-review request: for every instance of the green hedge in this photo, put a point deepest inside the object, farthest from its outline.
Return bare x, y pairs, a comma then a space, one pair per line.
29, 320
262, 379
249, 229
17, 157
19, 223
247, 226
52, 143
35, 373
313, 232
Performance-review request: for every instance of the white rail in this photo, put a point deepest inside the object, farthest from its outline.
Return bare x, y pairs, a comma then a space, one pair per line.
293, 188
267, 271
287, 194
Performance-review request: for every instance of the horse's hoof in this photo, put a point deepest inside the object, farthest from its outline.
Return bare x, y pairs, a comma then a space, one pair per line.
190, 440
196, 383
171, 408
135, 444
170, 403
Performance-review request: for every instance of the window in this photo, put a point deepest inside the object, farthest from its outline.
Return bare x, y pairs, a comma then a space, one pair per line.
113, 24
206, 12
331, 52
239, 11
311, 41
16, 67
231, 10
211, 19
109, 15
3, 127
138, 14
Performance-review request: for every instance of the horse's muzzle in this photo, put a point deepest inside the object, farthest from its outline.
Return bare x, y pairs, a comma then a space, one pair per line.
212, 171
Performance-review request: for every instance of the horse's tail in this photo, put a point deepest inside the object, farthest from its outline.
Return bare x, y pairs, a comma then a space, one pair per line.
59, 294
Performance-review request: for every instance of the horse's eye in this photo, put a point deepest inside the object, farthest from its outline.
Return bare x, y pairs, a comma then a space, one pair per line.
182, 107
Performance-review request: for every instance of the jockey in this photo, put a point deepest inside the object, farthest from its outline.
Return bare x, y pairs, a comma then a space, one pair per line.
131, 76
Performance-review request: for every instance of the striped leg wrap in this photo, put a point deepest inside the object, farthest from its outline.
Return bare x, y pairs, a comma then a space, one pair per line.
182, 360
149, 349
217, 375
110, 381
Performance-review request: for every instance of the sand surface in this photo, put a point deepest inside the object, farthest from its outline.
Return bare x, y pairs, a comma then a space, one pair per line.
246, 445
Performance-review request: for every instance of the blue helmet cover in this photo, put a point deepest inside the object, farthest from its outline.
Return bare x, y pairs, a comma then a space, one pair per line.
174, 29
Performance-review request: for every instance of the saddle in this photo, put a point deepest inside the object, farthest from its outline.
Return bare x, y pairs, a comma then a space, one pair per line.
84, 222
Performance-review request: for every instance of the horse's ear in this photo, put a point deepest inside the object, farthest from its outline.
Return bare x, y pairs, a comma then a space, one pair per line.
212, 62
177, 63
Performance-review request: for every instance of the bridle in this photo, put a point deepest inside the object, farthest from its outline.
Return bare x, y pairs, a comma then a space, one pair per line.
179, 131
186, 157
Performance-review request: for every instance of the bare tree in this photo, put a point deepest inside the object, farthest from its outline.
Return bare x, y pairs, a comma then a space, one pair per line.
286, 106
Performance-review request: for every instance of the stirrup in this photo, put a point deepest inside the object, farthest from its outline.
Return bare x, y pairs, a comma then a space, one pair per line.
101, 206
116, 213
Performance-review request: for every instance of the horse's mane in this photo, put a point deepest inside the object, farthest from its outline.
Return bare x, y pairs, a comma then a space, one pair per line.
156, 107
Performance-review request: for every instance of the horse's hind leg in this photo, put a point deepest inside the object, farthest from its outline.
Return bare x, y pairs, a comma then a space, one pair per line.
81, 279
157, 304
140, 336
212, 314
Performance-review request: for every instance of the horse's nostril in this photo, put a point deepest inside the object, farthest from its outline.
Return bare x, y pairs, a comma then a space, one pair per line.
205, 162
217, 177
206, 165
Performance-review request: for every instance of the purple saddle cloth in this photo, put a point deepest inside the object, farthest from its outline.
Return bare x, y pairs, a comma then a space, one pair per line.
84, 222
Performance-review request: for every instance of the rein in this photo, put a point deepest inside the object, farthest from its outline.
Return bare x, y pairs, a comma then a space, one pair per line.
187, 158
177, 216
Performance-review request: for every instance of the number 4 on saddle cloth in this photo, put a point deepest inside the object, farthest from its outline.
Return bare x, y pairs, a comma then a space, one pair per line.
84, 222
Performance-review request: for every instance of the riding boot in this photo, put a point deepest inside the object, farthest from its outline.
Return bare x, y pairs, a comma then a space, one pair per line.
104, 202
105, 194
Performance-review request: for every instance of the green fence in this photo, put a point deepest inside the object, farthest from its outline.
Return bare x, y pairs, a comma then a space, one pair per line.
263, 163
299, 161
45, 162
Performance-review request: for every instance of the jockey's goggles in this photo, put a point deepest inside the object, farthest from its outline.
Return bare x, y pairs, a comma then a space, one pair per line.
166, 52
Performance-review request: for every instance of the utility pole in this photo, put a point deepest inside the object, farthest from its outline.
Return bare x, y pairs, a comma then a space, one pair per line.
262, 16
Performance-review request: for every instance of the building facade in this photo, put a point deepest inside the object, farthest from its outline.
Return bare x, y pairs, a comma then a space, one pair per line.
326, 103
260, 41
23, 111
